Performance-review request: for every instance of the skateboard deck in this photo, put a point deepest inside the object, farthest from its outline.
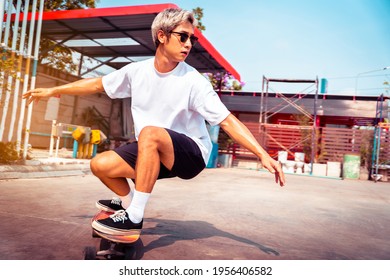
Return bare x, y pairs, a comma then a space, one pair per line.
116, 246
128, 237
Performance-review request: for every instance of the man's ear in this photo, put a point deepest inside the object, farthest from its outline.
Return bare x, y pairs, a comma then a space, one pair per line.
161, 37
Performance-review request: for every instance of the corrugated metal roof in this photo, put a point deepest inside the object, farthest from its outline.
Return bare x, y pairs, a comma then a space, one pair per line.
124, 22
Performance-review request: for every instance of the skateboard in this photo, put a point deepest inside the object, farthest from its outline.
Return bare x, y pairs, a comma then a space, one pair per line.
112, 246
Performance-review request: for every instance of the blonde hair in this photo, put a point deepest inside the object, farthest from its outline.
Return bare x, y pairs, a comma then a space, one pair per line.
169, 19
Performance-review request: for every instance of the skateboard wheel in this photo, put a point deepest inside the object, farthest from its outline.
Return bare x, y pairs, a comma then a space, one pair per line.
130, 252
104, 244
90, 253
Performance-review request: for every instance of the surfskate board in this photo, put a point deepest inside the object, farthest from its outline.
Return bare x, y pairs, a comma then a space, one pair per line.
112, 246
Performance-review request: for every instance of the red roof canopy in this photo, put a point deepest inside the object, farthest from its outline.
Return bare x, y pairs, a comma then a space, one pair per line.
134, 22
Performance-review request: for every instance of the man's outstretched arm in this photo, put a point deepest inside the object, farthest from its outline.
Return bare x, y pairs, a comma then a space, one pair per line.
81, 87
241, 134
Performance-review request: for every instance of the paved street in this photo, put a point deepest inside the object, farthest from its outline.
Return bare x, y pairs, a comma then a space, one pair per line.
222, 214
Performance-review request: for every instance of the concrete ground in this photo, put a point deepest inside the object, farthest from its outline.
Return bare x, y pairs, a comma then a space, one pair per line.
223, 214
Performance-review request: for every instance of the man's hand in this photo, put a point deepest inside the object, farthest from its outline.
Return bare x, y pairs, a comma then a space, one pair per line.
241, 134
81, 87
274, 167
37, 94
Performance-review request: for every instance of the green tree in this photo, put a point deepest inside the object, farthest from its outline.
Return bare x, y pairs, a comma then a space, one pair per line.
57, 56
7, 66
53, 54
8, 153
57, 5
198, 13
223, 81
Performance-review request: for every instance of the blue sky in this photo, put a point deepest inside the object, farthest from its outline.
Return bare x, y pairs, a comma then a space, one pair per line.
340, 40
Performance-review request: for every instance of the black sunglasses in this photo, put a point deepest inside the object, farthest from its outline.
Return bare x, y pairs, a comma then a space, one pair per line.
184, 37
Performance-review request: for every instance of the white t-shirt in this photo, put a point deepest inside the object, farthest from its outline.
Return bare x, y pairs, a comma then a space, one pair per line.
180, 100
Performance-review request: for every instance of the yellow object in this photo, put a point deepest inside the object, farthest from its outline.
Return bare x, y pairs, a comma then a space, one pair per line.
79, 134
95, 137
87, 139
85, 151
90, 150
80, 151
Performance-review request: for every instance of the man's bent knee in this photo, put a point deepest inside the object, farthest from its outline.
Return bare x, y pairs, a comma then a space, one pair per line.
153, 135
151, 132
110, 164
97, 164
102, 163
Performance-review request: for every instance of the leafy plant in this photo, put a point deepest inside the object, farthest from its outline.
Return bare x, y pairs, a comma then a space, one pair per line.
198, 14
307, 139
366, 148
52, 54
224, 81
60, 56
8, 69
8, 153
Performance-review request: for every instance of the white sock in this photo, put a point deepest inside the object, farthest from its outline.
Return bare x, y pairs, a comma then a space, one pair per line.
137, 206
126, 200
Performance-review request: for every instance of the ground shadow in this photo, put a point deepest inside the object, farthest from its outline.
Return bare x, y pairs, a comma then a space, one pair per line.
171, 231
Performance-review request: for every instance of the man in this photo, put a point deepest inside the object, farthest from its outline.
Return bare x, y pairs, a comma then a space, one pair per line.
170, 103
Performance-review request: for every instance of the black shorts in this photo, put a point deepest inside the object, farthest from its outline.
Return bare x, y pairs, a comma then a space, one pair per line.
188, 157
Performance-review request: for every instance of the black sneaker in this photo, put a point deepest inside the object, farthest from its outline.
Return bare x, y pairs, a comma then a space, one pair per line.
117, 224
112, 205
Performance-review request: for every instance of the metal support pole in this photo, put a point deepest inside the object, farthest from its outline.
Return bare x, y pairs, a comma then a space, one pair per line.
2, 9
27, 55
33, 78
261, 102
19, 73
4, 43
54, 133
2, 4
10, 77
261, 116
76, 97
314, 132
266, 101
377, 139
8, 24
